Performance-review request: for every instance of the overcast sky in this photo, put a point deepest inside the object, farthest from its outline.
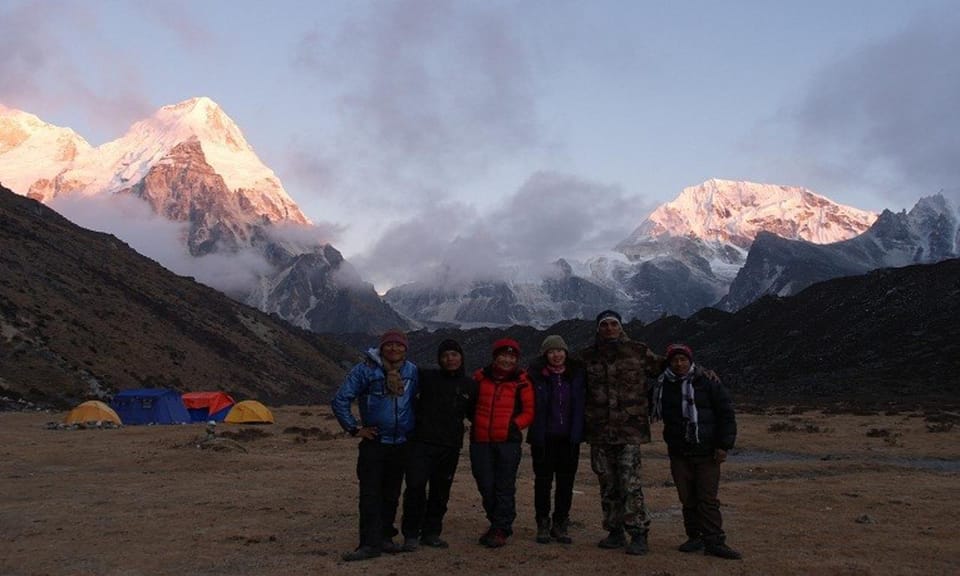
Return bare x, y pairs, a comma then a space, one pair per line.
502, 133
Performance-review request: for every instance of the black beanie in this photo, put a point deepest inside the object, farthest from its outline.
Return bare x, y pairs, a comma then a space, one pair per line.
608, 314
448, 345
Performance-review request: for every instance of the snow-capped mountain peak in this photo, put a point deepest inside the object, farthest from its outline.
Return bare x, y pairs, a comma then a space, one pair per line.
123, 163
32, 150
733, 212
224, 148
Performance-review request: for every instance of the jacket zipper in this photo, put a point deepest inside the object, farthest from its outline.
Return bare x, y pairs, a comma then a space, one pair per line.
493, 403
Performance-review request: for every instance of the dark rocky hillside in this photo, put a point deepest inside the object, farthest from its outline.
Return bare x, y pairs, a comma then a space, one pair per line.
83, 315
890, 338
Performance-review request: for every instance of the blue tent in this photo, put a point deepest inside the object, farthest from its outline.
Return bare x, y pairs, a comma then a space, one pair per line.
150, 406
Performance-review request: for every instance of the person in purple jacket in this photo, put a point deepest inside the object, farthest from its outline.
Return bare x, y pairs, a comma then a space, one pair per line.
555, 435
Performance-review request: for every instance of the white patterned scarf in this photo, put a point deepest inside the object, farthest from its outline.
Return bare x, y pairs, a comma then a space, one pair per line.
689, 405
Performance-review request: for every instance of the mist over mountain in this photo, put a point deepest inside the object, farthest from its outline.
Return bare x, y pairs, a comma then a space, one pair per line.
82, 315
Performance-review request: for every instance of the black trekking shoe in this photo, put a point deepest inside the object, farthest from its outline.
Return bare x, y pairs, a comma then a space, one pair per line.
361, 553
433, 542
410, 544
543, 530
638, 545
497, 539
722, 551
691, 545
614, 540
388, 546
559, 532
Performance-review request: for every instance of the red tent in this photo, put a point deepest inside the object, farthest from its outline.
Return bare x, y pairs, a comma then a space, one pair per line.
205, 406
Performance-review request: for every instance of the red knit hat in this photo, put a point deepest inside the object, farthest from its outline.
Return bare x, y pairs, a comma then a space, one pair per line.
396, 336
674, 349
506, 344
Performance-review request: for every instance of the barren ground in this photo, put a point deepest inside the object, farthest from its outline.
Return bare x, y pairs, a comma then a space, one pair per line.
803, 494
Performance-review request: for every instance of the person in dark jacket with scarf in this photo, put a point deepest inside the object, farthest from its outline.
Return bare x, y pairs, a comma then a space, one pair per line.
504, 409
447, 396
699, 428
555, 435
384, 386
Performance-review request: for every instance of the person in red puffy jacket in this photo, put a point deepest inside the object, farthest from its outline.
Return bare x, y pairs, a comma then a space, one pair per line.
504, 409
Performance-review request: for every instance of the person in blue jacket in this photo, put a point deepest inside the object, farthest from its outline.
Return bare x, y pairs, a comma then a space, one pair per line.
384, 386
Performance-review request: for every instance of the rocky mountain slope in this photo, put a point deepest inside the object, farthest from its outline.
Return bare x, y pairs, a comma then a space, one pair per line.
886, 338
682, 257
83, 315
930, 232
191, 163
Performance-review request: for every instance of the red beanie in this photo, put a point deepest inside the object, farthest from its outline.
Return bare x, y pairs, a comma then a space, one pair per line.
674, 349
506, 344
396, 336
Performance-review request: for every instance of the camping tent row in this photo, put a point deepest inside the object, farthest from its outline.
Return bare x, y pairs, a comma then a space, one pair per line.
160, 406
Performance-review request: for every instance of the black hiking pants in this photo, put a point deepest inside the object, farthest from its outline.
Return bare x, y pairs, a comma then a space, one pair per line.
557, 459
380, 470
494, 466
429, 466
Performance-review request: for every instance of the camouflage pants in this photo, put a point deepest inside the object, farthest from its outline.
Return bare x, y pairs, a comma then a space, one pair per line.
621, 497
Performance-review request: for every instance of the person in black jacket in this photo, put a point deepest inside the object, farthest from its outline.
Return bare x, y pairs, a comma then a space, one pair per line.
699, 428
555, 435
447, 396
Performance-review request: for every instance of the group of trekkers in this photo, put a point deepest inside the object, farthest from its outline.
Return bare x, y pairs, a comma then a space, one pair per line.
411, 425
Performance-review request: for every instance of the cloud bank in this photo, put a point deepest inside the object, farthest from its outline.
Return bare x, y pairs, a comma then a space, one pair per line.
551, 216
133, 221
886, 116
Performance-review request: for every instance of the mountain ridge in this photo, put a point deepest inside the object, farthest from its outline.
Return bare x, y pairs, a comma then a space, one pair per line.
191, 163
83, 315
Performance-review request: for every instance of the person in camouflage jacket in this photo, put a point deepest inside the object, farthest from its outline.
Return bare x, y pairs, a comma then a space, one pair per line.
617, 423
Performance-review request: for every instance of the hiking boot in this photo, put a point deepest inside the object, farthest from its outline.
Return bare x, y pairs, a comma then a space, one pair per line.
638, 545
691, 545
388, 546
559, 532
410, 544
485, 539
543, 530
361, 553
498, 538
433, 542
616, 539
722, 551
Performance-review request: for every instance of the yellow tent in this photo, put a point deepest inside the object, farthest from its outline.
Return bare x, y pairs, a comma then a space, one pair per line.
249, 412
92, 411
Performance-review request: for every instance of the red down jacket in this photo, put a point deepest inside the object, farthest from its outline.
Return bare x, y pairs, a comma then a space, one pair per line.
504, 408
